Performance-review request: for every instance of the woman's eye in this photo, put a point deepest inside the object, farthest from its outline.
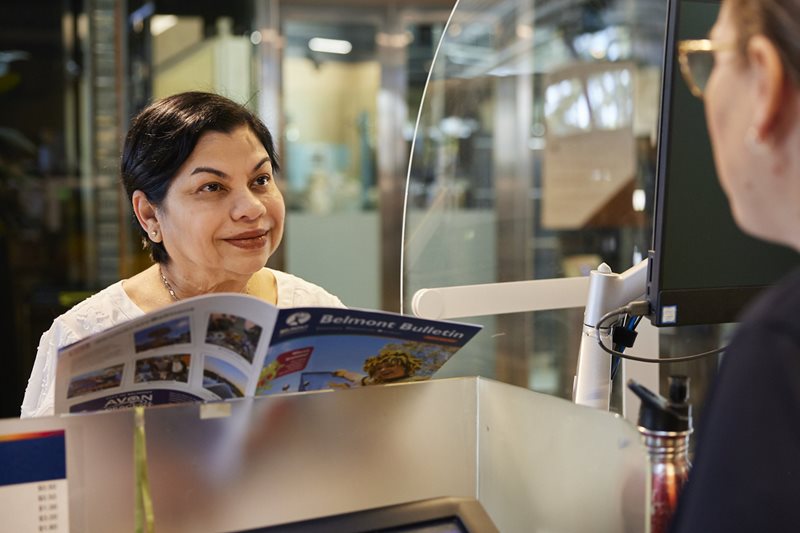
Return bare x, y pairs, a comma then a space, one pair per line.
262, 181
211, 187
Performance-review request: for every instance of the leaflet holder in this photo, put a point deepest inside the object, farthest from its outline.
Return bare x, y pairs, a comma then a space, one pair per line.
531, 460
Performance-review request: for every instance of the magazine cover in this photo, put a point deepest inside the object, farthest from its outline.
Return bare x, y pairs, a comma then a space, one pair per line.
223, 346
319, 348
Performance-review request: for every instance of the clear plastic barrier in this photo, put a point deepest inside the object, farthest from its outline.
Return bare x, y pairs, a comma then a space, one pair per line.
533, 158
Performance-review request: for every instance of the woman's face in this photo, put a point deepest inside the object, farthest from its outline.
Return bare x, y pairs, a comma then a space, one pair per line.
729, 105
223, 214
390, 371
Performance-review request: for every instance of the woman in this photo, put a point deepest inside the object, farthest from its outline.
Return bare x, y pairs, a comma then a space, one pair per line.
746, 474
199, 171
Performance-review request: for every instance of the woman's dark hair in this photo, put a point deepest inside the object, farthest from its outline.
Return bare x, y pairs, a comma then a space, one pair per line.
166, 132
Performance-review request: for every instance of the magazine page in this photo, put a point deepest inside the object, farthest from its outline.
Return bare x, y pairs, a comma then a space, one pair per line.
322, 348
204, 348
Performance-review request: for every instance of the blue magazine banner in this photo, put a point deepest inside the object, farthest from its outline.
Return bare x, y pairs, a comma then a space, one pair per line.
321, 348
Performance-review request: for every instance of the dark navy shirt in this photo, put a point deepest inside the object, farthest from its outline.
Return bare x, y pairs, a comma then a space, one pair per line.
746, 470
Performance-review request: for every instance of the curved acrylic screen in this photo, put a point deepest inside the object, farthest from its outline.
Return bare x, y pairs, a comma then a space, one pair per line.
533, 158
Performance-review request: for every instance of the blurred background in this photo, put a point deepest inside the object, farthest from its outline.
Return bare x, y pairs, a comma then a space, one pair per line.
530, 154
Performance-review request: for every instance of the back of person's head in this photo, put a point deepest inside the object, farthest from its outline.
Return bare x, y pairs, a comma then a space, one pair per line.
166, 132
778, 20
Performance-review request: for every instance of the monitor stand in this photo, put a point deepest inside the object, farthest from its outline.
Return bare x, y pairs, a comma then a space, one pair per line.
599, 293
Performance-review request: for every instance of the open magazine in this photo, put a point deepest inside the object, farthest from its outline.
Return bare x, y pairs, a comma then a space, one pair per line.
222, 346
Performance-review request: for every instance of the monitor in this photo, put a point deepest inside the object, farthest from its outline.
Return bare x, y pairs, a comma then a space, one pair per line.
703, 269
433, 515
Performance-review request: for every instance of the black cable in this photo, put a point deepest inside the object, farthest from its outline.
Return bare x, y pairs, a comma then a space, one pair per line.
629, 309
615, 361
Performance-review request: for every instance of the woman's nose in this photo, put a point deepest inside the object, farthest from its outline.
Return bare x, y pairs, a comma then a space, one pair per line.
247, 205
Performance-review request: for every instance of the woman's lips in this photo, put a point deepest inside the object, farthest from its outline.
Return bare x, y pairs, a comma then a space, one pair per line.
253, 240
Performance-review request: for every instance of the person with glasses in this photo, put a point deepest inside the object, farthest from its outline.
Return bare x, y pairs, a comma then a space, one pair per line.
746, 473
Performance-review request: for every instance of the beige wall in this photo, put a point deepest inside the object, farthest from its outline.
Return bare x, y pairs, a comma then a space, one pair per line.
324, 103
220, 65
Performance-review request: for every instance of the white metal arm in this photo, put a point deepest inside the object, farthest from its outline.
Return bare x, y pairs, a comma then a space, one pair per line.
600, 292
607, 291
498, 298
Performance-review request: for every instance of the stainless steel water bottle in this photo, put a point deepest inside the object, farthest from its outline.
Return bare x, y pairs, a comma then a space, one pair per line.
665, 425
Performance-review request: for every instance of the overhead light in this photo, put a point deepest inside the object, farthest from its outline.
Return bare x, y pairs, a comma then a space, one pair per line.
330, 46
161, 23
639, 200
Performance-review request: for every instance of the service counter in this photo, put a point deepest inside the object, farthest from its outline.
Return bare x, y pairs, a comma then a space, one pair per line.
535, 462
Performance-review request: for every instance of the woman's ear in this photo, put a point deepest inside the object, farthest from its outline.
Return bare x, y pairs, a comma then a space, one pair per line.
771, 86
146, 214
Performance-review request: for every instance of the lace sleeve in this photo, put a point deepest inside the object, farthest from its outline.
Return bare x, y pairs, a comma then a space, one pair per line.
40, 394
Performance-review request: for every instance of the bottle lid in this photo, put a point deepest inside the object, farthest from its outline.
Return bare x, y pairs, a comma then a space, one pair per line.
657, 413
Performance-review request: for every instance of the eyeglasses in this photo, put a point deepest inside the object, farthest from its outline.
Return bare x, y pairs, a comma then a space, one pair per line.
696, 58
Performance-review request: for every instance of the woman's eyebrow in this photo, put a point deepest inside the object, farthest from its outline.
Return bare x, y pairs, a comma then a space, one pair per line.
261, 163
221, 174
209, 170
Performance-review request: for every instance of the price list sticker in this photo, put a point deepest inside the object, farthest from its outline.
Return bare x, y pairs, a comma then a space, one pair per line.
33, 482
